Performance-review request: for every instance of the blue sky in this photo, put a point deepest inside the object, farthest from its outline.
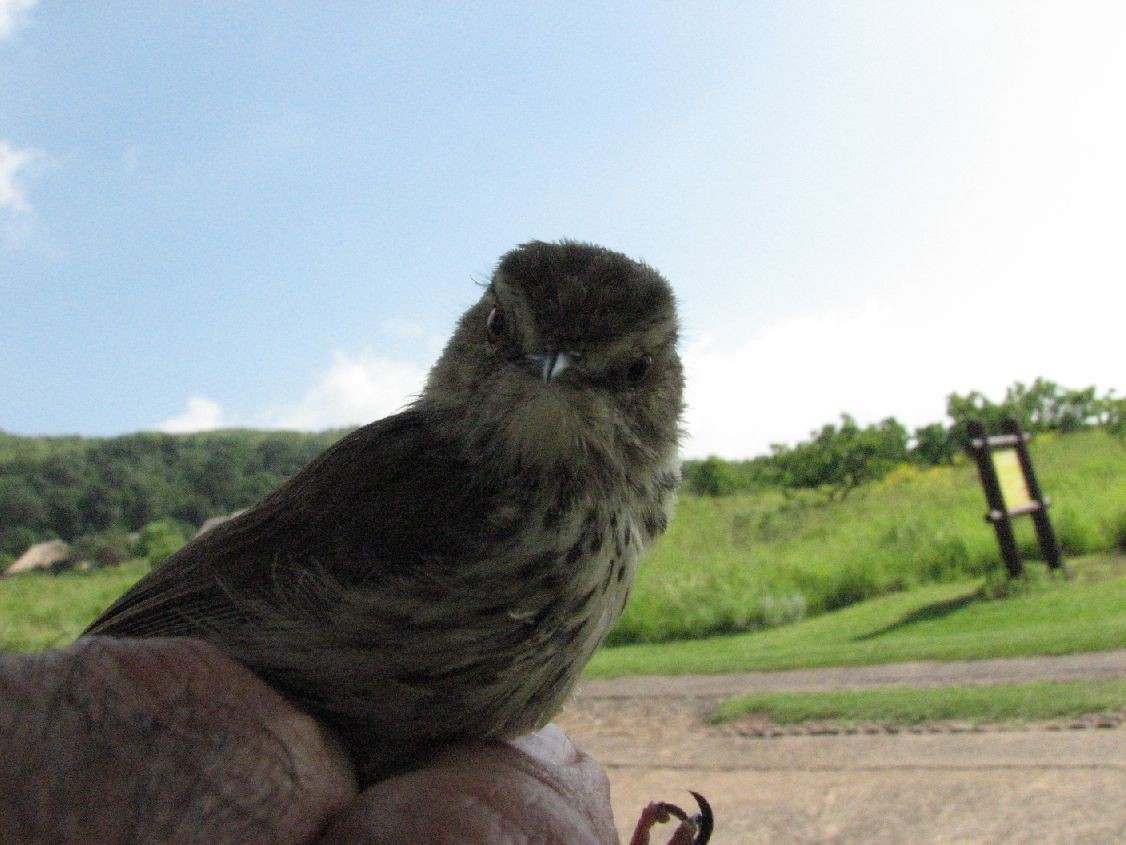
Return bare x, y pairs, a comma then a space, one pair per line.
271, 214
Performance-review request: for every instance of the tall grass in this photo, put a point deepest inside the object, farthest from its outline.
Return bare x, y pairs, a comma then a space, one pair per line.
759, 560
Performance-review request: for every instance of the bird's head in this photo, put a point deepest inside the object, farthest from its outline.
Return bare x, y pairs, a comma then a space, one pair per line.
569, 357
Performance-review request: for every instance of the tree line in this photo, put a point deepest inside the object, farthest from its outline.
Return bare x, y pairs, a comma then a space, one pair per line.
839, 457
98, 490
95, 492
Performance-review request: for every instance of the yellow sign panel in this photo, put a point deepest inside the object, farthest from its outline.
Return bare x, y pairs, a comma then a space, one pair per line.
1014, 488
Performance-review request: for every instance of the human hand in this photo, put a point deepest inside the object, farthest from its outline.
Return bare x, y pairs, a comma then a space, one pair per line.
113, 740
539, 788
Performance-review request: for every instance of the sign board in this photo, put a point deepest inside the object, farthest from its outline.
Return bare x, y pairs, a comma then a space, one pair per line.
1010, 475
1011, 489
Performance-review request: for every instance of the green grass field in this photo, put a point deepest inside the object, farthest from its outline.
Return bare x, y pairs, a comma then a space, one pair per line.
755, 561
907, 706
39, 611
951, 621
895, 572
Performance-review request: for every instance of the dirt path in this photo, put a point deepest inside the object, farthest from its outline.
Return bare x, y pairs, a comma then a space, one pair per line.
1049, 782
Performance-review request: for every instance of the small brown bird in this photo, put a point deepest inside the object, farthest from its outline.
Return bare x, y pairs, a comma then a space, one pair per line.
445, 573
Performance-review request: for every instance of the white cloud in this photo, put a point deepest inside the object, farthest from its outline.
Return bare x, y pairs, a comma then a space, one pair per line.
1007, 263
202, 414
355, 389
12, 161
11, 15
900, 355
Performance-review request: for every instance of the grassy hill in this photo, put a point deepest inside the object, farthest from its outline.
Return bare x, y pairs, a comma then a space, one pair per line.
757, 560
761, 560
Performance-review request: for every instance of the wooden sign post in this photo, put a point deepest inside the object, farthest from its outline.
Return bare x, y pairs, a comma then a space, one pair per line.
1011, 489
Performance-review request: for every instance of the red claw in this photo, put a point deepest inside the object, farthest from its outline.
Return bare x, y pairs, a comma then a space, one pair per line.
694, 830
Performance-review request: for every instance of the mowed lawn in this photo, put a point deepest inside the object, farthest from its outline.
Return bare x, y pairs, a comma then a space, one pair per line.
953, 621
40, 611
1037, 701
966, 620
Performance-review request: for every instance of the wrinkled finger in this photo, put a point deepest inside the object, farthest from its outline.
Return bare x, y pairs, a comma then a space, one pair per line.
113, 740
539, 788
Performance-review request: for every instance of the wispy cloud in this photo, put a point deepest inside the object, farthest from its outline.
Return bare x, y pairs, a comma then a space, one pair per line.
12, 162
11, 15
13, 201
15, 210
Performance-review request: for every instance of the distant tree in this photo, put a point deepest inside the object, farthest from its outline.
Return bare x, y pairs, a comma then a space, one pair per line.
934, 445
15, 540
69, 487
21, 504
842, 458
890, 441
711, 477
1045, 406
1076, 409
973, 406
1040, 406
1112, 414
60, 478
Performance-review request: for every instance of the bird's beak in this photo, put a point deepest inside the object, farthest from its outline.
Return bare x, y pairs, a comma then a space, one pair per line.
552, 363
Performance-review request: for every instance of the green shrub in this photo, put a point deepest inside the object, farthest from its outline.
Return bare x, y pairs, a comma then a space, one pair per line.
849, 585
711, 477
943, 556
1076, 532
16, 540
160, 539
782, 609
1119, 531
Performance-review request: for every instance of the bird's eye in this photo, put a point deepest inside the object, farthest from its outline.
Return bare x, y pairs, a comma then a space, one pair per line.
639, 369
494, 326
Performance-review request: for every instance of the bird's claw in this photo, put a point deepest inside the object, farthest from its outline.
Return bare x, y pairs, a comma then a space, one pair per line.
692, 830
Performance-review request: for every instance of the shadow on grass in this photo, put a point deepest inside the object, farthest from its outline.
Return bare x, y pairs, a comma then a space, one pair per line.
932, 611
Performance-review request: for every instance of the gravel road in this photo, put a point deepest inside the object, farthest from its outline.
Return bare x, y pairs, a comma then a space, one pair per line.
1052, 782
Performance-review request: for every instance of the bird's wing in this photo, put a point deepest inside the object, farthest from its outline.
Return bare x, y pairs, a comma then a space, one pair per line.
385, 497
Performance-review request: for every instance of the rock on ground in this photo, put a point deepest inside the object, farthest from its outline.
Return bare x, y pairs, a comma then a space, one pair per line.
40, 557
